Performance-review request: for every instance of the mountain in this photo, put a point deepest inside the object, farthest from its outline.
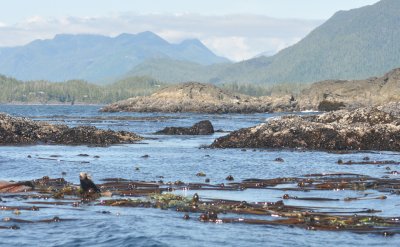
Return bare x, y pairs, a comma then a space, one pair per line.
95, 57
352, 44
172, 71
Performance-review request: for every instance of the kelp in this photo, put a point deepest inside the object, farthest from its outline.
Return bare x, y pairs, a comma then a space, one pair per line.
119, 192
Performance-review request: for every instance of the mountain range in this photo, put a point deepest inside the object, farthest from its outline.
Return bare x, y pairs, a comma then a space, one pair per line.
351, 45
95, 57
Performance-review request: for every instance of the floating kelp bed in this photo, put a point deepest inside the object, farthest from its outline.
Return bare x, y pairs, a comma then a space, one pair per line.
118, 192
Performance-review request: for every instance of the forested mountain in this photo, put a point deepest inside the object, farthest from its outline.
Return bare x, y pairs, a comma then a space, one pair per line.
96, 58
353, 44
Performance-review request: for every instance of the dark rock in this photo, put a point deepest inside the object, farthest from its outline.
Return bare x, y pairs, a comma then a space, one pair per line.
327, 105
201, 128
279, 159
361, 129
207, 180
200, 174
15, 130
229, 178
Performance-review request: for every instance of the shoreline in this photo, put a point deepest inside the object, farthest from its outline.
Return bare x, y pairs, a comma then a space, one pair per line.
52, 104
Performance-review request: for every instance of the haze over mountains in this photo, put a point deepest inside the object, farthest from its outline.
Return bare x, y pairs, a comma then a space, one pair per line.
96, 58
353, 44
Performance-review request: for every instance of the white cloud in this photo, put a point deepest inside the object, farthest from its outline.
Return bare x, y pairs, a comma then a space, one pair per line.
235, 48
35, 19
237, 37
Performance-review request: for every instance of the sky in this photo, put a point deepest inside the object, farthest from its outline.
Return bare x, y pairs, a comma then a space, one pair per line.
237, 29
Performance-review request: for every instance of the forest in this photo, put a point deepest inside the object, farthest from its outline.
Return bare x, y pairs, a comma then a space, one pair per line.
81, 92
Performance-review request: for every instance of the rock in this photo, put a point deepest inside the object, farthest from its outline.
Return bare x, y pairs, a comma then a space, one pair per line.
200, 174
327, 105
361, 129
337, 94
201, 128
229, 178
202, 98
15, 130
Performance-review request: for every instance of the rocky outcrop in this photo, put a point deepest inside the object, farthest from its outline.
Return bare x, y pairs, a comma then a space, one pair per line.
15, 130
361, 129
335, 95
201, 128
203, 98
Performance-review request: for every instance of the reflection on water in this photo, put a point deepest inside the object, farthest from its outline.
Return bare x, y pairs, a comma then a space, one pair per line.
174, 158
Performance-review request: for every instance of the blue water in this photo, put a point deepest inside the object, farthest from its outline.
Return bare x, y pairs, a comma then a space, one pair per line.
174, 158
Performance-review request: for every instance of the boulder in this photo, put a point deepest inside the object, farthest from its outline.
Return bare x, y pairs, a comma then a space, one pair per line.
201, 128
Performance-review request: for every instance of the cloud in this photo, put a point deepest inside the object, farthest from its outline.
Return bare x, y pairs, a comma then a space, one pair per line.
237, 37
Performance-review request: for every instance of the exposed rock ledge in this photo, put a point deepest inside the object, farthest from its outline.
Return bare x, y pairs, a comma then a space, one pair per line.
15, 130
198, 97
361, 129
201, 128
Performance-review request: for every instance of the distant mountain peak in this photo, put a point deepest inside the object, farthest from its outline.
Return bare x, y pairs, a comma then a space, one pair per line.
192, 42
148, 34
96, 57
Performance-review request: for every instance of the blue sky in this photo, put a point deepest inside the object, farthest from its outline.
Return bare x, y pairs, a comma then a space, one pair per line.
238, 29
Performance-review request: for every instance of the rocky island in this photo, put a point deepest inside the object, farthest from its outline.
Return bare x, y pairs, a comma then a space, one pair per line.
16, 130
361, 129
201, 98
338, 94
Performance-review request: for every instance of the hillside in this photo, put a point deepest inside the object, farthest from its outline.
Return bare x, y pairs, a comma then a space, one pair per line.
96, 58
354, 44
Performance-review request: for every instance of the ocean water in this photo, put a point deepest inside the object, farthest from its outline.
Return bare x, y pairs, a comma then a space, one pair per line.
174, 158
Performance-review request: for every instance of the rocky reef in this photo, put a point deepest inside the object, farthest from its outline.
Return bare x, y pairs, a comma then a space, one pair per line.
201, 128
16, 130
360, 129
203, 98
338, 94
